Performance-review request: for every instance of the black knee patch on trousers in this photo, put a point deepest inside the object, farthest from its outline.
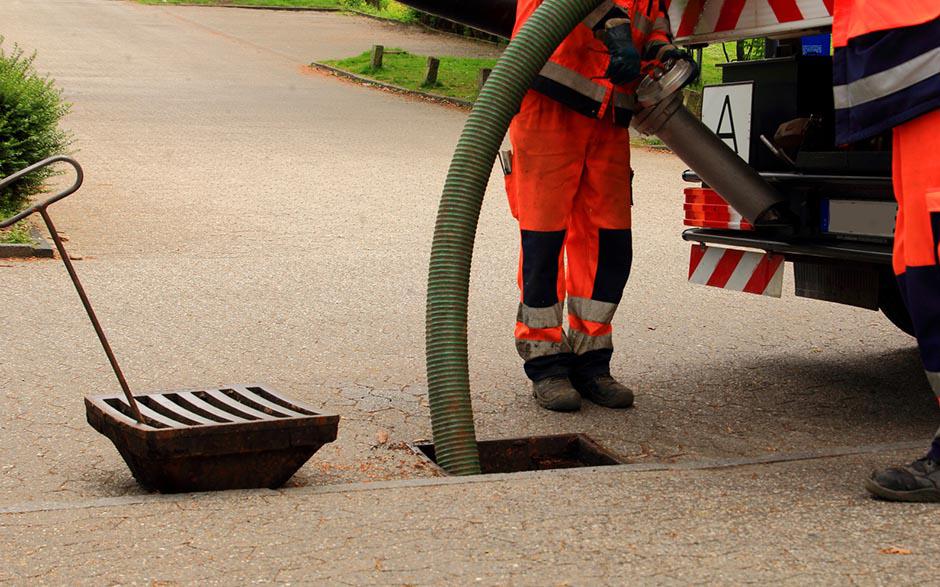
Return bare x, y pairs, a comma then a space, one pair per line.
540, 251
614, 259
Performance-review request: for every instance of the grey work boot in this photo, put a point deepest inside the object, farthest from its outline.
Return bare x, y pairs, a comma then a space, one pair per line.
604, 390
557, 394
919, 481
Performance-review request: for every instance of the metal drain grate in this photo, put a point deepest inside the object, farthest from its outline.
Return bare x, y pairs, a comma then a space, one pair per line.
232, 405
231, 437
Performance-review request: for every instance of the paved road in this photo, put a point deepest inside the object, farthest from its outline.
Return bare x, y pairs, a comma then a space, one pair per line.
244, 220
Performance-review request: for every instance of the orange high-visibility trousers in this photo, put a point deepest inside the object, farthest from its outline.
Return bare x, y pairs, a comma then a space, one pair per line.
570, 191
917, 232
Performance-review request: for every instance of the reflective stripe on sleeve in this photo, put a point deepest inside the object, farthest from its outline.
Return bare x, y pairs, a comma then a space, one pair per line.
642, 24
934, 379
582, 343
549, 317
598, 14
533, 349
885, 83
574, 80
592, 310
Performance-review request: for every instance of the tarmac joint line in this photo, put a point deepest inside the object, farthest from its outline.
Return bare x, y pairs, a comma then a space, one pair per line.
715, 464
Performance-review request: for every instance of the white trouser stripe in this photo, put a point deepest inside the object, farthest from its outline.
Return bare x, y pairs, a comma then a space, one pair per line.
744, 271
549, 317
934, 379
533, 349
582, 343
592, 310
707, 265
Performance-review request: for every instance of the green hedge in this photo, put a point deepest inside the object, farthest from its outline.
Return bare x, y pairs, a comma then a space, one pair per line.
30, 110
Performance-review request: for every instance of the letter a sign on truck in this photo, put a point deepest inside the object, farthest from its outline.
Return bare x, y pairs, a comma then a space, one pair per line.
726, 110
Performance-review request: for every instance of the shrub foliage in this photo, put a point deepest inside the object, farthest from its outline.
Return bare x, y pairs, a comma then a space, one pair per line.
30, 110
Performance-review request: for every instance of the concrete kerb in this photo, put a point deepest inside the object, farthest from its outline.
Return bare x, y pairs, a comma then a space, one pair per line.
39, 248
715, 464
392, 87
281, 8
345, 11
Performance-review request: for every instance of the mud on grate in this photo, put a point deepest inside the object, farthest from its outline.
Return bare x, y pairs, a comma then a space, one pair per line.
535, 453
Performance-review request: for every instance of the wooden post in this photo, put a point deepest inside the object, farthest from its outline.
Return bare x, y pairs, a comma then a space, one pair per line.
430, 76
377, 52
483, 76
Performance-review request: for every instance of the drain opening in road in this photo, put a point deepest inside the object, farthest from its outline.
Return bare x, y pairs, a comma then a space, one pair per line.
535, 453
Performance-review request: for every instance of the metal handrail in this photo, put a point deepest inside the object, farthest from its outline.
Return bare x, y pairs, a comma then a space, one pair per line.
79, 179
41, 208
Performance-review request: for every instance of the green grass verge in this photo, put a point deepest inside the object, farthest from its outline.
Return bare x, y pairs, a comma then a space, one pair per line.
19, 233
287, 3
457, 77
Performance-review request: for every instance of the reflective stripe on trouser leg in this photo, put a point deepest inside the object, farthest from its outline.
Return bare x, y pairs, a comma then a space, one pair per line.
540, 338
539, 332
589, 322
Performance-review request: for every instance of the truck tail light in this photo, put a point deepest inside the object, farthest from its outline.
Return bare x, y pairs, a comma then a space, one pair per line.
704, 208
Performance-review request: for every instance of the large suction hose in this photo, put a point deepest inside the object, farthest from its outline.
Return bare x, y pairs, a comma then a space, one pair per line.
452, 249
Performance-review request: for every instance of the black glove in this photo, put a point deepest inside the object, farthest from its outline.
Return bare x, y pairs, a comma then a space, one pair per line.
679, 54
624, 58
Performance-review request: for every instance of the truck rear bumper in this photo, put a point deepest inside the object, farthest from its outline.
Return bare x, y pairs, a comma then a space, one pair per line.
859, 252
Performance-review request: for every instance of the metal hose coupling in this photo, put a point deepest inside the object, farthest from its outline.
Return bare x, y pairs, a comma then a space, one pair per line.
664, 115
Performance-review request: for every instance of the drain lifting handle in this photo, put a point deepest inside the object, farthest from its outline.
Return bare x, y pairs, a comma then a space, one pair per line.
63, 254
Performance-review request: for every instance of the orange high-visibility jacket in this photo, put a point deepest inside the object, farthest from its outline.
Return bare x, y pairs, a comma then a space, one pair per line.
574, 75
886, 68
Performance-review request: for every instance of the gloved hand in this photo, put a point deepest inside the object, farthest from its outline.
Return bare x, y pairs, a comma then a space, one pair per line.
679, 54
624, 58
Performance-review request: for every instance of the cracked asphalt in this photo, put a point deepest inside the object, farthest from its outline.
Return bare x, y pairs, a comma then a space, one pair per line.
245, 219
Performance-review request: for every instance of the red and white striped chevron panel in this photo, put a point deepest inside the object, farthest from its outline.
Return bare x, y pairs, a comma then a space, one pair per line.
737, 270
717, 20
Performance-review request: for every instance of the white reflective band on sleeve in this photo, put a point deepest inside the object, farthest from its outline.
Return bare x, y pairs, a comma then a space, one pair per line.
593, 19
582, 343
934, 379
592, 310
574, 80
549, 317
889, 81
533, 349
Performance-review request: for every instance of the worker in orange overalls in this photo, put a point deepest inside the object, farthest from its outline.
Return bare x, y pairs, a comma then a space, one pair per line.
887, 76
569, 188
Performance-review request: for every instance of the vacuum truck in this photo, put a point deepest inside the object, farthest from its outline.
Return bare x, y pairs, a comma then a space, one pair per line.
792, 195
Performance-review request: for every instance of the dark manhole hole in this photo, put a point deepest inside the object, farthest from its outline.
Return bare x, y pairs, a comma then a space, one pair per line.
535, 453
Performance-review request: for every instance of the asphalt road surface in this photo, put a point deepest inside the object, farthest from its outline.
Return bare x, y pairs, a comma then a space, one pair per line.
245, 219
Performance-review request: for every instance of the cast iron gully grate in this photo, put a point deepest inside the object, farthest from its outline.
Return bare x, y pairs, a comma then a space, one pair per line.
534, 453
235, 437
